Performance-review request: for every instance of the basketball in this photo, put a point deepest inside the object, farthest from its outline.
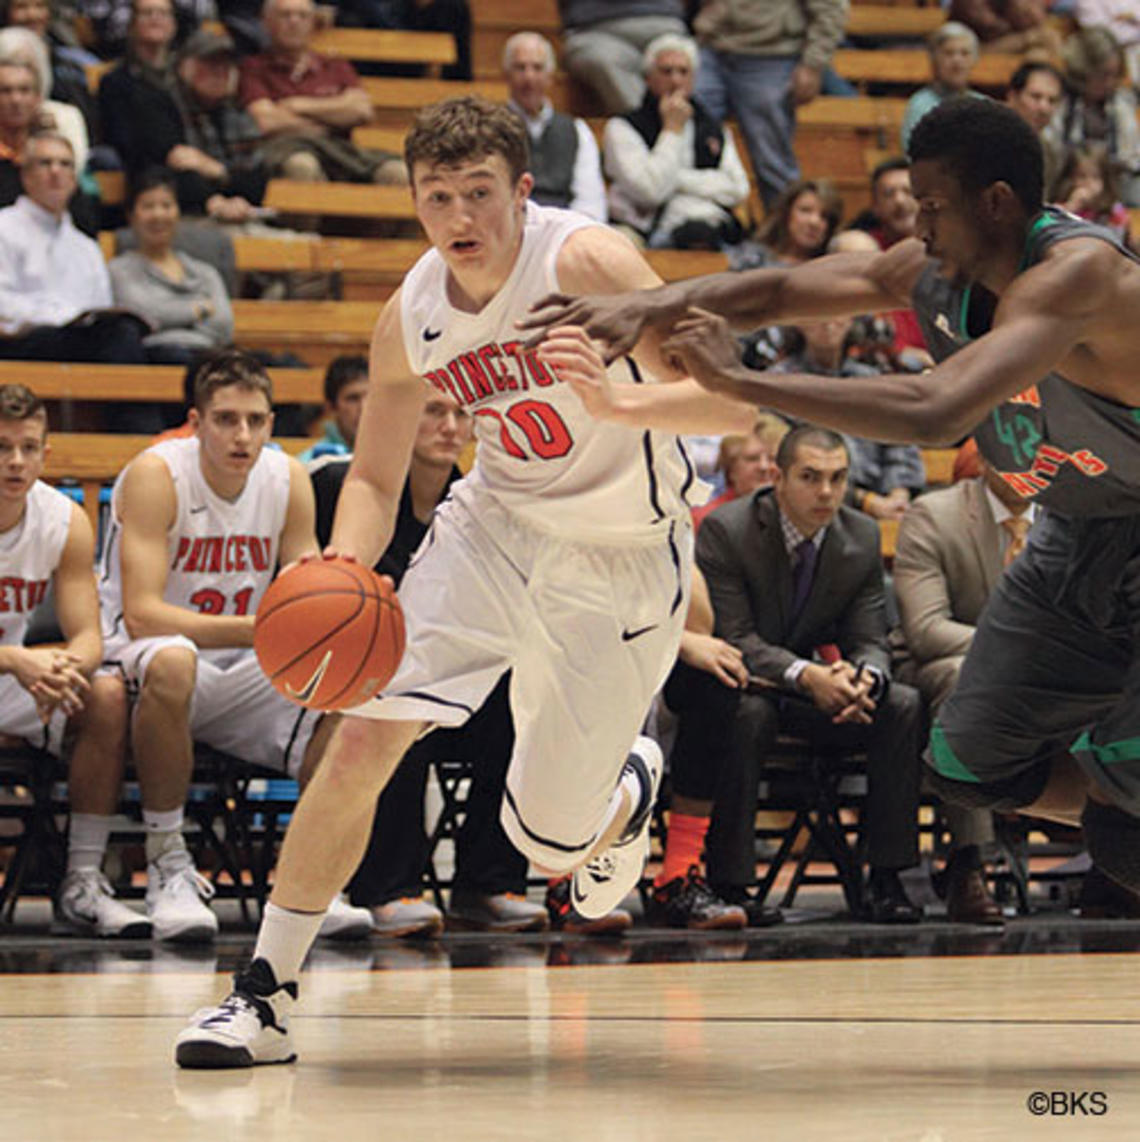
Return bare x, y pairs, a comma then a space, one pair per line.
329, 634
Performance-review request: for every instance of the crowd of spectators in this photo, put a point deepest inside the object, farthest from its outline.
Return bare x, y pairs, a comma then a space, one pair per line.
793, 622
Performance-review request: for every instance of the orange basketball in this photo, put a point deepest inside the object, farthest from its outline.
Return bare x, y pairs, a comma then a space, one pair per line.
329, 634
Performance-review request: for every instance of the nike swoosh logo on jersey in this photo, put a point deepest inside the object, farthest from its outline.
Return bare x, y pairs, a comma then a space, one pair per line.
630, 635
199, 508
307, 691
432, 334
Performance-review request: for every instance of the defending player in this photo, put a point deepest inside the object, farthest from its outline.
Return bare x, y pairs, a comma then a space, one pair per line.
198, 527
1033, 315
563, 555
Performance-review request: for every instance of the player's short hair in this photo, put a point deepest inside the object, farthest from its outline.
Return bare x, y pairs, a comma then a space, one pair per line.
888, 166
18, 402
1026, 71
811, 435
230, 367
461, 130
981, 142
343, 371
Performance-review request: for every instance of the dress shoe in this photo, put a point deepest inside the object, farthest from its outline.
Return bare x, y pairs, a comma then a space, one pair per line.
885, 900
758, 914
968, 899
494, 912
1103, 899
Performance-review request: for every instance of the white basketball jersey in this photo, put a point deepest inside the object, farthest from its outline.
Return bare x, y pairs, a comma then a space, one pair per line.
221, 554
29, 555
540, 453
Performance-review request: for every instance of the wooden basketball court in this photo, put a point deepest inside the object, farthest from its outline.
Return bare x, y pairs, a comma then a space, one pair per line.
895, 1035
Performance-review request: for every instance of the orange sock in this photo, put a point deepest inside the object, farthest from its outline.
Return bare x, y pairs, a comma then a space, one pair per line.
683, 846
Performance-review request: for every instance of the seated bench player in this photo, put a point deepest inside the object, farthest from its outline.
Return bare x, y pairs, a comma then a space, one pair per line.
48, 692
198, 527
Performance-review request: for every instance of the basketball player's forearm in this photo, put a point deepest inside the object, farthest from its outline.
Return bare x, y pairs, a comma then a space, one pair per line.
894, 409
210, 632
87, 646
364, 523
680, 407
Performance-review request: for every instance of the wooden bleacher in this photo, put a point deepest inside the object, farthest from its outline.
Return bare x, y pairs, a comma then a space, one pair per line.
910, 68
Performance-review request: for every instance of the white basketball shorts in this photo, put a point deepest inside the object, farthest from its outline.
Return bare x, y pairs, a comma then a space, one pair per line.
589, 631
234, 709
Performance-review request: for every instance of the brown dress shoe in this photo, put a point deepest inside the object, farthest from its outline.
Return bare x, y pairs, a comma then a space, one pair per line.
968, 899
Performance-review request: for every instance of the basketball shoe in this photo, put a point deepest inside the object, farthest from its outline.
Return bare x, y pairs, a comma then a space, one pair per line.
344, 922
605, 880
176, 895
249, 1028
87, 906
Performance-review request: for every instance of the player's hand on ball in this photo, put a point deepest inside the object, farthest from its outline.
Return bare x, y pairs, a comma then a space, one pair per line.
704, 347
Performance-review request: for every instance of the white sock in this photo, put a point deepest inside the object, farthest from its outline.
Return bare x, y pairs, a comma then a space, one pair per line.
87, 837
163, 832
284, 939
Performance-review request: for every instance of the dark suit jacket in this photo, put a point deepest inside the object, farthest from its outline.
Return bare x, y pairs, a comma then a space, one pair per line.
740, 549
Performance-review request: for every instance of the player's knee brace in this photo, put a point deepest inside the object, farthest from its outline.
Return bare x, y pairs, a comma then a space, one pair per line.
1113, 840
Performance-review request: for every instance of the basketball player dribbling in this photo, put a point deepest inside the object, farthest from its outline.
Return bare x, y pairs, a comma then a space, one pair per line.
563, 555
198, 526
1032, 314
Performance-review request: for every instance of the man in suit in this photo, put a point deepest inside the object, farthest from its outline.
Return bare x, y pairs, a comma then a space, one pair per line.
790, 569
952, 547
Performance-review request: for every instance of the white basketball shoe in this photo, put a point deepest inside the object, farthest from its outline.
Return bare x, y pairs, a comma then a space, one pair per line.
249, 1028
605, 880
176, 895
87, 906
344, 922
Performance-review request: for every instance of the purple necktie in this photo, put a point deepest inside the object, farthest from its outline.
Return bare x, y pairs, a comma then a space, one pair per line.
802, 575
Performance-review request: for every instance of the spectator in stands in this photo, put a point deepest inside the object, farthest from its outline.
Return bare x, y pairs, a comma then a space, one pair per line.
883, 478
760, 60
1035, 92
67, 80
26, 47
184, 299
452, 16
346, 383
564, 155
1016, 26
55, 292
890, 219
799, 226
953, 54
675, 172
1089, 186
604, 41
489, 890
952, 546
140, 87
746, 463
1122, 19
197, 129
306, 105
1098, 109
48, 693
703, 691
112, 21
790, 569
178, 619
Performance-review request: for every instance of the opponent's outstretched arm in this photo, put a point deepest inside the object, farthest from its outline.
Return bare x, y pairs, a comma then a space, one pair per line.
1042, 317
833, 286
